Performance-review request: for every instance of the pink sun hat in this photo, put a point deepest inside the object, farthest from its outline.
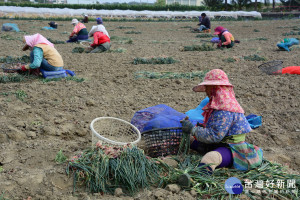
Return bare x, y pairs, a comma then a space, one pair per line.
218, 30
213, 77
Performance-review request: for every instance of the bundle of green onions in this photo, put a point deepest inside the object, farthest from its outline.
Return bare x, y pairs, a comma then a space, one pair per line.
104, 168
10, 77
56, 41
184, 146
78, 50
213, 186
170, 75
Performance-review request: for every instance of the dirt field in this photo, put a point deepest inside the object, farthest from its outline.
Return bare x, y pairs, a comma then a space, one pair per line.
56, 115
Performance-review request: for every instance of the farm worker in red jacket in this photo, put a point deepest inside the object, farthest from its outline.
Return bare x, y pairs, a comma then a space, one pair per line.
225, 38
101, 42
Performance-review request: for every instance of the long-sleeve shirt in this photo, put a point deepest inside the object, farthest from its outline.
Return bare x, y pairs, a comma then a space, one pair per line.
206, 22
38, 58
222, 124
100, 28
79, 29
43, 51
99, 38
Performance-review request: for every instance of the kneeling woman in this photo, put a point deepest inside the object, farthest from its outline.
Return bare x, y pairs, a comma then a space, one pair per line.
79, 32
101, 42
225, 38
223, 134
43, 54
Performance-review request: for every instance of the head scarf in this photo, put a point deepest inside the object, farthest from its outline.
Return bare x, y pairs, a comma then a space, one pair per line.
219, 31
32, 40
222, 98
99, 20
100, 28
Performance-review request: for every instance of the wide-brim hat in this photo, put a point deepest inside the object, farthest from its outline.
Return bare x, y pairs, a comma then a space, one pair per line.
74, 21
213, 77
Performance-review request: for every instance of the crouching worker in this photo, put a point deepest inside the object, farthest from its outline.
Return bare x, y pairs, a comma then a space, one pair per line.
225, 38
204, 23
43, 54
222, 135
79, 32
101, 43
100, 27
85, 19
53, 25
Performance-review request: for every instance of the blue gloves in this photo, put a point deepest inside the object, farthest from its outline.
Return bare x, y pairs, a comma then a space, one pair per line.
187, 126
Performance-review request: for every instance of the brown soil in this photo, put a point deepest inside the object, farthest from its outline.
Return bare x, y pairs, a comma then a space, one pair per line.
56, 115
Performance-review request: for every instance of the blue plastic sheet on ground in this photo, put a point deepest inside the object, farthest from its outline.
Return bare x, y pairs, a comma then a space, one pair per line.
10, 27
48, 28
215, 40
254, 121
159, 116
287, 42
196, 114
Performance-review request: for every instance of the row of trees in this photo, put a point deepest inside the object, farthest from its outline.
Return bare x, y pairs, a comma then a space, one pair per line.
242, 4
236, 4
213, 5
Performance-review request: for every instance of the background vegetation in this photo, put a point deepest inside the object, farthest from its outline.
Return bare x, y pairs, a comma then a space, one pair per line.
160, 5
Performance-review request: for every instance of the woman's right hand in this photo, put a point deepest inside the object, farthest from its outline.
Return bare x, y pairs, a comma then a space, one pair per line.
187, 126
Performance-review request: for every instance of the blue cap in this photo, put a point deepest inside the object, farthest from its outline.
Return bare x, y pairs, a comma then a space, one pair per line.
99, 20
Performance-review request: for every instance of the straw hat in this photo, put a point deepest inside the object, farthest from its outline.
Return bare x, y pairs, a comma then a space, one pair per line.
213, 77
74, 21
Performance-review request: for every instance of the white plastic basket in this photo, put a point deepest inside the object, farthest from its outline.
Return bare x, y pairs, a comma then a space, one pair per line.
114, 131
85, 43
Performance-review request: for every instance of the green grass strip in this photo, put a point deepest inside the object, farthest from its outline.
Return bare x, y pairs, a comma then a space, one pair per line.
203, 47
133, 32
154, 60
254, 57
170, 75
20, 59
204, 35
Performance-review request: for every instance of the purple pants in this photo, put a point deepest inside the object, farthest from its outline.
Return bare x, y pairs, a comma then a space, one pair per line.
227, 159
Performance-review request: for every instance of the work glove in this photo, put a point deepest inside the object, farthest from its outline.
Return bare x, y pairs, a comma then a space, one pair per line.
24, 68
187, 126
